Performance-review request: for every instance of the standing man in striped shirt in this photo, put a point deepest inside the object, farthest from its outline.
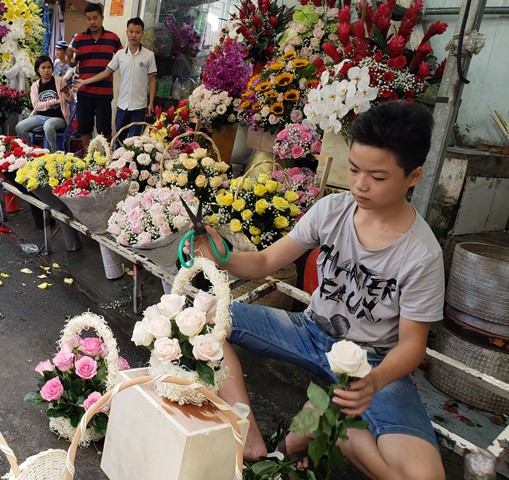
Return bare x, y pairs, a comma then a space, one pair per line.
92, 50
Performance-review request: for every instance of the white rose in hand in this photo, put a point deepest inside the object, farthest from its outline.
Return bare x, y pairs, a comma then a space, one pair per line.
171, 304
191, 321
167, 350
141, 335
348, 358
157, 323
206, 303
207, 348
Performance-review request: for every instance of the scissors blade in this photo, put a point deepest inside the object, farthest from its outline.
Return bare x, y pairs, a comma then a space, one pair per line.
199, 228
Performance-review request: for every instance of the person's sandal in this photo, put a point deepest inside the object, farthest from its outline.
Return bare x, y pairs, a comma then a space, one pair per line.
298, 455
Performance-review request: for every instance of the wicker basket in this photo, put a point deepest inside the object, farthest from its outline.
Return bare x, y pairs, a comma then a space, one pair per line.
221, 290
446, 379
76, 325
479, 281
59, 465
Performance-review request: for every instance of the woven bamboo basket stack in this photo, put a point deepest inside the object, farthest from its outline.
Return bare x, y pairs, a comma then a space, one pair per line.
476, 326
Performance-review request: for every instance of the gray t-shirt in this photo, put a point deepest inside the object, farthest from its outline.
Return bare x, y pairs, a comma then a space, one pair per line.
362, 293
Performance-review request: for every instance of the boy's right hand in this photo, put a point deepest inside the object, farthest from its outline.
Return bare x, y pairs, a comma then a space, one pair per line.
202, 246
79, 83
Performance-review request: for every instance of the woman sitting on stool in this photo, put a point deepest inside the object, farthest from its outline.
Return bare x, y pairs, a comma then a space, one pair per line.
51, 97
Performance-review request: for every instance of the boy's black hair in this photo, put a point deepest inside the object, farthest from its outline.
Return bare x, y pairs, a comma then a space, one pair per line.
39, 61
136, 21
402, 128
94, 7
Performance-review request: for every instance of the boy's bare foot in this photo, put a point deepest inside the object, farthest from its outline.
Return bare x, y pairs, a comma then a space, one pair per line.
254, 447
293, 446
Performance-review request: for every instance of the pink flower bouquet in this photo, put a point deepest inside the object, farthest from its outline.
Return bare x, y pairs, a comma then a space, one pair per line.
75, 378
298, 142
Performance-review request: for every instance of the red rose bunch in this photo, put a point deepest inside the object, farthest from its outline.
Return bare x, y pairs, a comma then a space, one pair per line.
14, 153
171, 123
86, 183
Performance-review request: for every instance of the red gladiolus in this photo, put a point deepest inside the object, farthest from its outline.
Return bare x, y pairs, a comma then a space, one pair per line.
273, 22
317, 3
252, 41
257, 22
409, 20
422, 52
423, 72
344, 33
345, 15
269, 50
184, 115
436, 28
318, 63
158, 110
348, 50
440, 70
182, 103
396, 45
329, 49
367, 14
304, 2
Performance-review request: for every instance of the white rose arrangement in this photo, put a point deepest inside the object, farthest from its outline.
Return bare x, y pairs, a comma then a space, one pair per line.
326, 422
142, 155
181, 335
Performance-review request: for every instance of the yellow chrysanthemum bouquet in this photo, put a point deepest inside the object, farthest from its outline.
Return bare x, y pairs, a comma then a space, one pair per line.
262, 208
51, 169
277, 95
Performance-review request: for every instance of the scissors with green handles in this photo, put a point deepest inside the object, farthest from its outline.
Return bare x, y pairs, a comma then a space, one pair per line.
199, 229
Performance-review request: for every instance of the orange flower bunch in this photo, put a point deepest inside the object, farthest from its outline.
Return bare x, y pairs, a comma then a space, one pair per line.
277, 95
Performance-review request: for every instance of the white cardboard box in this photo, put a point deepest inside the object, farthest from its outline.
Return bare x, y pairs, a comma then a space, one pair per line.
151, 438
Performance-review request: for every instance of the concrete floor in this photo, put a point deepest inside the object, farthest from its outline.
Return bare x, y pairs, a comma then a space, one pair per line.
31, 319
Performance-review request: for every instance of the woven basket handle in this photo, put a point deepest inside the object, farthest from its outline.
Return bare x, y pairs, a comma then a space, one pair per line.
99, 141
218, 402
257, 164
89, 320
11, 458
126, 127
182, 135
220, 289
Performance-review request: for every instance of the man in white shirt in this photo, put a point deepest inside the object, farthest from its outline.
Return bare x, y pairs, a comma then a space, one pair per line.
137, 66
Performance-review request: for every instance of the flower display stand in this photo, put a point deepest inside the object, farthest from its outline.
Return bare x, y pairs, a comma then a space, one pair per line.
224, 138
260, 140
335, 146
152, 438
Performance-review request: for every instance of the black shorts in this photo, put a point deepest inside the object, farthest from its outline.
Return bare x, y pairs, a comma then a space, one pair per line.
89, 107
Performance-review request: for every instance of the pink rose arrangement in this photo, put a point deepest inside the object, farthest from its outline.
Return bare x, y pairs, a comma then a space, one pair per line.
146, 217
74, 380
298, 142
179, 333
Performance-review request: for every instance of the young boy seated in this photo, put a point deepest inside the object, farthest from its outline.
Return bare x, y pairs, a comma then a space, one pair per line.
381, 284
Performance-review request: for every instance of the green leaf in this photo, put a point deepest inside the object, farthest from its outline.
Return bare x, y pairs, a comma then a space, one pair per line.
33, 397
318, 397
311, 475
317, 448
205, 372
263, 466
337, 457
305, 422
355, 422
379, 39
75, 419
47, 375
52, 413
77, 387
328, 421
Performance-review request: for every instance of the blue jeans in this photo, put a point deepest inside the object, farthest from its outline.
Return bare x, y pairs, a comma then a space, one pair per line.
294, 338
125, 117
50, 126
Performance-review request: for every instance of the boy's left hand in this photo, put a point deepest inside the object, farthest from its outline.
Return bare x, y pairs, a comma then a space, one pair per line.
358, 398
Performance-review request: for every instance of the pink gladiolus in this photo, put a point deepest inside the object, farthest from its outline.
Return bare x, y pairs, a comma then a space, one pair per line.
86, 368
52, 390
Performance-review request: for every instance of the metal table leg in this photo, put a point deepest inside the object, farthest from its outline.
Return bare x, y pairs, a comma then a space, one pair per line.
47, 231
137, 294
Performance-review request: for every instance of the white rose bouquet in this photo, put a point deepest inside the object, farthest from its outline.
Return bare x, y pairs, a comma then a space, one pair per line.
326, 422
147, 220
142, 155
181, 336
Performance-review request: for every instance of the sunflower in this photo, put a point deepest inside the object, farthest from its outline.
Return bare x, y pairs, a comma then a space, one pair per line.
283, 79
245, 104
270, 94
253, 79
261, 87
276, 65
277, 108
248, 93
300, 62
256, 106
292, 95
289, 55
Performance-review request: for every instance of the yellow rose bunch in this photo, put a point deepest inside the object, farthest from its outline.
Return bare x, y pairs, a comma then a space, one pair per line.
262, 208
50, 169
198, 172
